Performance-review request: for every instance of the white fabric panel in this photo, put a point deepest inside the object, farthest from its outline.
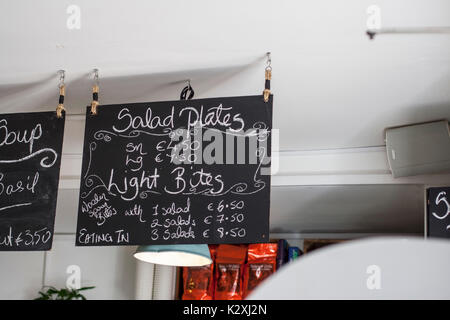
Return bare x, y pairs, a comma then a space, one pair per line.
144, 280
376, 268
164, 282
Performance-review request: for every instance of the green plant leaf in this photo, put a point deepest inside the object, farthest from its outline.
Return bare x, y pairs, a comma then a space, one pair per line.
62, 294
85, 288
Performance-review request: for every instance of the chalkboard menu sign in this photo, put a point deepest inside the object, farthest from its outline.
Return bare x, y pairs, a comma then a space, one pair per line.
186, 171
438, 212
30, 157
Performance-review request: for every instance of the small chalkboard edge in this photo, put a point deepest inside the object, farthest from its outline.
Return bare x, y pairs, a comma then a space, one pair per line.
59, 162
428, 204
85, 145
427, 212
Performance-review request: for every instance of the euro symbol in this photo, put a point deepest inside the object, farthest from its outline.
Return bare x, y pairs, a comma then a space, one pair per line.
207, 220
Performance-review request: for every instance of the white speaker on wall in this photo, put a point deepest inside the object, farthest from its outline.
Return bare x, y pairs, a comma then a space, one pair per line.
418, 149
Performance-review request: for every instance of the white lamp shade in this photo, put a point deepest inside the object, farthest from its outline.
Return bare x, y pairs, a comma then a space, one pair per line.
181, 255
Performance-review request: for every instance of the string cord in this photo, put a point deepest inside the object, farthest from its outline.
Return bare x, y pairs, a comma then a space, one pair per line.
95, 91
268, 77
62, 92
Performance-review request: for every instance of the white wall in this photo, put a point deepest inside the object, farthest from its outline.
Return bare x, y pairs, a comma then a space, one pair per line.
110, 269
20, 274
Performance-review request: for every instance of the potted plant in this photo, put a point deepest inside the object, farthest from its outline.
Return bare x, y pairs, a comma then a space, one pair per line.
62, 294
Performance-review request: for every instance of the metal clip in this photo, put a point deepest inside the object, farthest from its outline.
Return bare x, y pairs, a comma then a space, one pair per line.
95, 91
188, 92
268, 77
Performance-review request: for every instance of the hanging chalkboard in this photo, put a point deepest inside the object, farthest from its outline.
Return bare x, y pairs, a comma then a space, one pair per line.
186, 171
438, 212
30, 157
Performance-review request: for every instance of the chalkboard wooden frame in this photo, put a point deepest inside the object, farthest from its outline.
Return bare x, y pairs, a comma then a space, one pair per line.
30, 159
110, 214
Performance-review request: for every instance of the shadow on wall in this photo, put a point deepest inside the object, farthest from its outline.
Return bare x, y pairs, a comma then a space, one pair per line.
372, 209
137, 88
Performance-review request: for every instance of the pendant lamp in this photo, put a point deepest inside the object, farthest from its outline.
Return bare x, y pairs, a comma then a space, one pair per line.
181, 255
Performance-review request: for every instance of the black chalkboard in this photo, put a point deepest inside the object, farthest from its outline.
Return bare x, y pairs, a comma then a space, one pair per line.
30, 158
438, 212
156, 173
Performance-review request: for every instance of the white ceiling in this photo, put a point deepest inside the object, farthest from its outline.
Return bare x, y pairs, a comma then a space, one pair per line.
333, 87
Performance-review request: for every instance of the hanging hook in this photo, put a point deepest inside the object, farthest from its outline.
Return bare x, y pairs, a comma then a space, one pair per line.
62, 77
188, 92
62, 92
95, 90
268, 77
269, 61
96, 81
